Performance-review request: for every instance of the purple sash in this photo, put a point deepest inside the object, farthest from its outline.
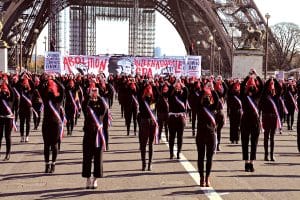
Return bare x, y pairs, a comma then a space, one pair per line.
285, 110
156, 140
10, 113
57, 115
276, 112
180, 103
294, 101
135, 101
27, 100
239, 102
210, 116
17, 93
74, 103
254, 108
100, 136
110, 118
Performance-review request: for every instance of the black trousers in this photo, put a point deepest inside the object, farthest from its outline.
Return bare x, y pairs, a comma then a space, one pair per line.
25, 117
235, 124
206, 144
298, 132
162, 120
92, 153
290, 117
37, 114
176, 128
6, 125
146, 135
220, 121
269, 124
51, 137
194, 117
250, 130
130, 112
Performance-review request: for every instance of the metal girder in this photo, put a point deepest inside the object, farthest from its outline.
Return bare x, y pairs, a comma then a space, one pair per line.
195, 21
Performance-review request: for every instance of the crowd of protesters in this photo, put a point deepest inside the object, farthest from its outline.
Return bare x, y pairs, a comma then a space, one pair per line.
155, 105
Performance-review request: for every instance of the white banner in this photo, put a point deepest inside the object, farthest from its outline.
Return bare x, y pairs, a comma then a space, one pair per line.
85, 64
74, 64
193, 66
52, 62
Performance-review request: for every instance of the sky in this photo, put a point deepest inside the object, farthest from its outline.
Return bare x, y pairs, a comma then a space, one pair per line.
167, 38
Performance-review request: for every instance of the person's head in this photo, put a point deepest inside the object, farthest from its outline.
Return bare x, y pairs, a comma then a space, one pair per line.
4, 88
71, 83
94, 93
271, 88
207, 98
251, 87
52, 87
148, 92
236, 87
36, 81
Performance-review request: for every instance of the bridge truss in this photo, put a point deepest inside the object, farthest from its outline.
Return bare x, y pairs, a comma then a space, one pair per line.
196, 21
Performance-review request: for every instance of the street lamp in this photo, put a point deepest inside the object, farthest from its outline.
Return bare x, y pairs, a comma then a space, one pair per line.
15, 43
36, 32
219, 60
45, 42
232, 44
20, 22
198, 47
211, 39
267, 16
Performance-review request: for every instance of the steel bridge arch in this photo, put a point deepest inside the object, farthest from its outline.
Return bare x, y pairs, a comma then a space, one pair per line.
194, 20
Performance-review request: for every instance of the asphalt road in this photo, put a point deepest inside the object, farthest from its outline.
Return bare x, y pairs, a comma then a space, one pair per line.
23, 177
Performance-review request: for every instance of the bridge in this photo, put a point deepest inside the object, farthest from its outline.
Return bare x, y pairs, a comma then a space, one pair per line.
204, 26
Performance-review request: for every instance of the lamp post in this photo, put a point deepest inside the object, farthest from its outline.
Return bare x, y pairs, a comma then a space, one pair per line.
20, 22
232, 45
15, 42
36, 32
198, 47
267, 44
45, 42
211, 39
219, 60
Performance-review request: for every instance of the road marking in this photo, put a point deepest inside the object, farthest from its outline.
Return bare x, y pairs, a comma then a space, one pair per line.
208, 191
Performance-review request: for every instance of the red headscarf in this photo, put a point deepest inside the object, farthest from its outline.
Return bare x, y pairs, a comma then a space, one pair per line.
52, 87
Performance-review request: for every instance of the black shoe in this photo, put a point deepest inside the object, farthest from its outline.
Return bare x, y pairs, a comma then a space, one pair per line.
7, 157
149, 167
144, 167
266, 158
251, 167
171, 156
47, 168
218, 148
247, 167
178, 155
273, 158
52, 170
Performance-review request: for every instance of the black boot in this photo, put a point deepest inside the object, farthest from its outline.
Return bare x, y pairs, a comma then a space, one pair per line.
266, 149
7, 157
247, 167
251, 167
272, 151
52, 170
144, 166
218, 147
47, 168
149, 166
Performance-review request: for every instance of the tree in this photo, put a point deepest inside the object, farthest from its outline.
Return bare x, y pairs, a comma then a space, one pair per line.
288, 38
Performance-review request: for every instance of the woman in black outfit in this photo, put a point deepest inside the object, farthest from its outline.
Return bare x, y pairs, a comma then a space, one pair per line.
206, 137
